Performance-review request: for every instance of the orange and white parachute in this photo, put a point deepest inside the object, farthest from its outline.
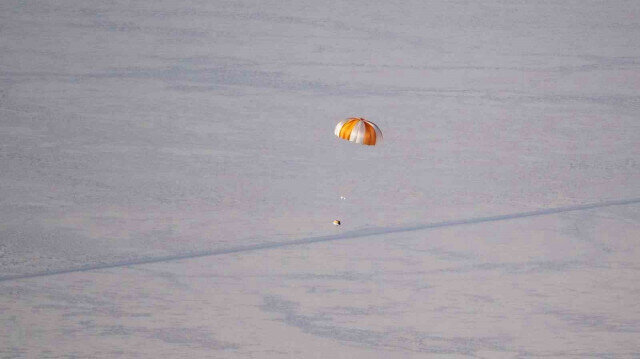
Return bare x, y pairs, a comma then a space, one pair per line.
359, 130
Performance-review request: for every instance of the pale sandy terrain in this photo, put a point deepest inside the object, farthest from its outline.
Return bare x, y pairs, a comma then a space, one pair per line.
169, 174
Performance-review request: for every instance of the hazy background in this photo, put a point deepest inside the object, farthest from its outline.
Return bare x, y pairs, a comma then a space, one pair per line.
137, 131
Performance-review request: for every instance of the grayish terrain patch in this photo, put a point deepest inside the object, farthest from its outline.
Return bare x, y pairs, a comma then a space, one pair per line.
169, 175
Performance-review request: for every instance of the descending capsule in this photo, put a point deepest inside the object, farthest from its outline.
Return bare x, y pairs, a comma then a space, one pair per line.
359, 130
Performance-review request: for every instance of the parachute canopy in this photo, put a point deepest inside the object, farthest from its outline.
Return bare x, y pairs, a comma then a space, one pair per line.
359, 130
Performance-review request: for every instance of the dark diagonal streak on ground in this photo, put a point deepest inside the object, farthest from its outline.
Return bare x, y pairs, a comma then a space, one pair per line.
342, 236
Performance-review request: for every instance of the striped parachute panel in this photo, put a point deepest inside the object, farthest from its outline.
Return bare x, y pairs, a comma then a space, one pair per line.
359, 130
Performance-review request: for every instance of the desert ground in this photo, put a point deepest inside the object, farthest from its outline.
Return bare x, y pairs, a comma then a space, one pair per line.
169, 177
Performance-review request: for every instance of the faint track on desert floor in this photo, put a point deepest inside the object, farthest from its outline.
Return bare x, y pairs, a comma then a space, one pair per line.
326, 238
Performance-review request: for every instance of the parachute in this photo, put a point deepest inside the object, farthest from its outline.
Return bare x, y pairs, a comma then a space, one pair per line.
359, 130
